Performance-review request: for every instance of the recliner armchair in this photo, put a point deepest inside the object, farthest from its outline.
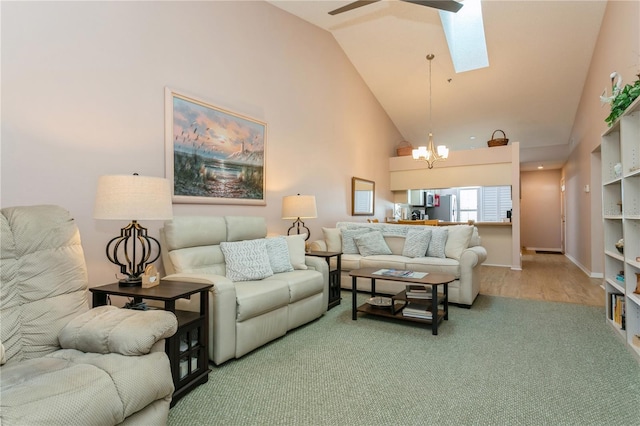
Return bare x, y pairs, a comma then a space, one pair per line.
64, 363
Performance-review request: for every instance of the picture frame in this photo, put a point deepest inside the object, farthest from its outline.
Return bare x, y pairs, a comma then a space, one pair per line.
213, 155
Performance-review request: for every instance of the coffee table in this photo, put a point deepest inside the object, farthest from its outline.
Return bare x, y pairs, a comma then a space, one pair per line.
439, 313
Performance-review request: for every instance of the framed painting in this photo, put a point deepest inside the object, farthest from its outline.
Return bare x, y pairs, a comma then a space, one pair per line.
213, 156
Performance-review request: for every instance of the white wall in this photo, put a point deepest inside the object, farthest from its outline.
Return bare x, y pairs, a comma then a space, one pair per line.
617, 49
83, 96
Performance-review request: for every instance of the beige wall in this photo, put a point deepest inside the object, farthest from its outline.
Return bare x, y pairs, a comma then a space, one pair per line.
540, 213
617, 49
83, 96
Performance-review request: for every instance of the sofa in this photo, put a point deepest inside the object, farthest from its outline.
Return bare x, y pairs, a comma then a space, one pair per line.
63, 363
262, 287
451, 249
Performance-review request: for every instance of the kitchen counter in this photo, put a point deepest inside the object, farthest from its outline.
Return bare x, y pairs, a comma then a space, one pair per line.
438, 223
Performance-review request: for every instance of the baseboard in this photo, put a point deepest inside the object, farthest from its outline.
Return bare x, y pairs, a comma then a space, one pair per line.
495, 264
583, 268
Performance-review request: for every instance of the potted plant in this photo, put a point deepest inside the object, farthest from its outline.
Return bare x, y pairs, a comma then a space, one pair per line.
621, 98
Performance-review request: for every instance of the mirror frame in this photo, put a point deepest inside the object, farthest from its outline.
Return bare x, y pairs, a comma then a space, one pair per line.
356, 184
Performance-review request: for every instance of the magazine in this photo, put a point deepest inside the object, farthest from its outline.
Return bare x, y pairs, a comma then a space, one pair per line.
400, 273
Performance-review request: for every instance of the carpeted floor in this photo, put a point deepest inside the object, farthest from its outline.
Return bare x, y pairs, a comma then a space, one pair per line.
503, 362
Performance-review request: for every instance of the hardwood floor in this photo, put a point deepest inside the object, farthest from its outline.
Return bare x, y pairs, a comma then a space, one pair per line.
549, 277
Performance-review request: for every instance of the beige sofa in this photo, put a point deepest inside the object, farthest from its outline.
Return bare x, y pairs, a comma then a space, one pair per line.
64, 363
449, 249
249, 303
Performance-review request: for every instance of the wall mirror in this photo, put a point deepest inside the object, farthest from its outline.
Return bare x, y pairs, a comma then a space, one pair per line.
363, 194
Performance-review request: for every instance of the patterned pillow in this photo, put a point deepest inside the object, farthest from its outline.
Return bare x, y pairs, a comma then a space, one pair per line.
416, 243
438, 242
246, 260
278, 251
348, 245
372, 243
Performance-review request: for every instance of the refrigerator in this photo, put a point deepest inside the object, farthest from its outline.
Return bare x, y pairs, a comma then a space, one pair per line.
447, 211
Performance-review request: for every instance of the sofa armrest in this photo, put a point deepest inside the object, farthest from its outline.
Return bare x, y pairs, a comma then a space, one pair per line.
107, 329
473, 256
222, 312
318, 245
320, 265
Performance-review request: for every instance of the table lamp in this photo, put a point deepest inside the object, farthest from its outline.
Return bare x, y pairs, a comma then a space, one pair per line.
299, 207
132, 197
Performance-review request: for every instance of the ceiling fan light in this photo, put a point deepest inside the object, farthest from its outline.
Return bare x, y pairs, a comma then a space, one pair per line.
421, 153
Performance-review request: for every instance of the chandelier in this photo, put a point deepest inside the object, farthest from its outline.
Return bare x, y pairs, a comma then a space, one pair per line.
429, 153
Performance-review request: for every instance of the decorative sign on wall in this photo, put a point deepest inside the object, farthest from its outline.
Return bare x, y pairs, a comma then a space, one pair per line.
213, 156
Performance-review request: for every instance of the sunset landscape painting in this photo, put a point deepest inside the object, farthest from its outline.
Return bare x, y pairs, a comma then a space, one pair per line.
213, 155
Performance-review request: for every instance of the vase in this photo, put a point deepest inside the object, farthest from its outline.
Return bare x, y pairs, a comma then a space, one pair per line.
637, 291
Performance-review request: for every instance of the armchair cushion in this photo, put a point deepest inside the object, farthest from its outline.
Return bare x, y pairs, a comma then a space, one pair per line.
107, 329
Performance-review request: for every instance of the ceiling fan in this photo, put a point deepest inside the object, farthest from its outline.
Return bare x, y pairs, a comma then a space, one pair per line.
448, 5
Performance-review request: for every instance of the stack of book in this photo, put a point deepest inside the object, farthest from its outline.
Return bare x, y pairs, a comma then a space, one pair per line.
417, 310
418, 291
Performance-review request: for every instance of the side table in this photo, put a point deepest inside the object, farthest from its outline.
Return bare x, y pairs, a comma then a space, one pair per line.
334, 274
187, 349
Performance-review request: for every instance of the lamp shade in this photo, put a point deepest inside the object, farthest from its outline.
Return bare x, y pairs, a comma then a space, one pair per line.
133, 197
299, 206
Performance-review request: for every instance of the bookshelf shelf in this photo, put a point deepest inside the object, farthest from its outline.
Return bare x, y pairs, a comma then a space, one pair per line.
620, 147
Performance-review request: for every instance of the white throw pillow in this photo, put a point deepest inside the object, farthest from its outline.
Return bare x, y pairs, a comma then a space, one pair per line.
416, 243
458, 240
438, 242
295, 243
278, 251
333, 238
246, 260
348, 244
372, 243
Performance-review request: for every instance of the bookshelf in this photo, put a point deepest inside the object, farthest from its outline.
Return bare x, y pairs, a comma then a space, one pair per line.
620, 146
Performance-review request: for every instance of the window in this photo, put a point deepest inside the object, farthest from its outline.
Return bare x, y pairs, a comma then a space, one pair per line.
496, 200
468, 204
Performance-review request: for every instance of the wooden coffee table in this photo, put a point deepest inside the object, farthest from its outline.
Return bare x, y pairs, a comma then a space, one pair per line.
400, 300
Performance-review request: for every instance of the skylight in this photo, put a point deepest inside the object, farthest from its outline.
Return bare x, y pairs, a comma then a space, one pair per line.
465, 36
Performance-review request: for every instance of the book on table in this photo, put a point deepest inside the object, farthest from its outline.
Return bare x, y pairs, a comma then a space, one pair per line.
421, 292
417, 310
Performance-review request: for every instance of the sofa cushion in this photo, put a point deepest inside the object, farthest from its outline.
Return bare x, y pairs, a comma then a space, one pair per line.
438, 242
254, 298
204, 259
333, 238
416, 243
458, 239
246, 260
371, 243
302, 284
194, 231
278, 251
240, 228
295, 244
351, 262
391, 261
348, 243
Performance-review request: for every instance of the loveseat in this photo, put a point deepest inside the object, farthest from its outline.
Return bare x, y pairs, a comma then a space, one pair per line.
262, 287
64, 363
452, 249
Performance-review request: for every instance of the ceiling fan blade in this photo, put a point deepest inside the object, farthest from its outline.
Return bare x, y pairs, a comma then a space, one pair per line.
351, 6
448, 5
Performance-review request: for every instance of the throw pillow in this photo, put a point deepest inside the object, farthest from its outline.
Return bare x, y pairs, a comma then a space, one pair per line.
458, 240
333, 238
278, 251
246, 260
416, 243
348, 244
295, 243
372, 243
438, 242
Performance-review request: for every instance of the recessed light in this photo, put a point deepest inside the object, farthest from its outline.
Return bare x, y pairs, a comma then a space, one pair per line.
540, 167
472, 137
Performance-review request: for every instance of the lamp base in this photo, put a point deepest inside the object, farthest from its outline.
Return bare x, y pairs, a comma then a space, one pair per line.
130, 282
297, 224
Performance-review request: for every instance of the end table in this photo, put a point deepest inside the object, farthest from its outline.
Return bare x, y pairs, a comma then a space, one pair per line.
334, 274
188, 348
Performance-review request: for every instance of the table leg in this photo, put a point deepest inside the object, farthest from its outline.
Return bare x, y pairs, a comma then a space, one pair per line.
434, 310
446, 302
373, 287
99, 299
354, 295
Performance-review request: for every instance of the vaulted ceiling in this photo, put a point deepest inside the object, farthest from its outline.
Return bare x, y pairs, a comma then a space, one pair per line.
539, 54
